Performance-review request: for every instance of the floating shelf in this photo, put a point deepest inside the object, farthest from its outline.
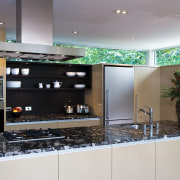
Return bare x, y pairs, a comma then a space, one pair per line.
45, 76
46, 89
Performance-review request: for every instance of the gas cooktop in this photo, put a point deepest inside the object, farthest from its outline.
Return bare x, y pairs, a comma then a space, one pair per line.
32, 135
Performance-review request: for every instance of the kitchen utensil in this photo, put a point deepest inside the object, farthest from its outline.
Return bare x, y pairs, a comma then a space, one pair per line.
70, 74
25, 71
79, 86
8, 70
15, 71
82, 109
81, 74
40, 85
13, 84
57, 84
48, 85
79, 108
16, 114
69, 108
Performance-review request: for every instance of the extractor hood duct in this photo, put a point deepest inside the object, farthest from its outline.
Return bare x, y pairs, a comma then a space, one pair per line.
34, 21
34, 34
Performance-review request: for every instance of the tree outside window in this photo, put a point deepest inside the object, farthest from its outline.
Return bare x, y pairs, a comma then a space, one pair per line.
168, 57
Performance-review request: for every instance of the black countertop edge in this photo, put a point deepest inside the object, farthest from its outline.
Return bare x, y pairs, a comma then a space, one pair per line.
52, 121
50, 118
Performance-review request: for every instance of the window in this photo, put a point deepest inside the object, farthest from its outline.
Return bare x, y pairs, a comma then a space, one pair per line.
102, 55
114, 56
168, 57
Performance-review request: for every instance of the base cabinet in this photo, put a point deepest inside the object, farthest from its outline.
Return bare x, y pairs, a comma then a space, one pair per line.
168, 160
133, 162
33, 168
85, 165
82, 123
145, 161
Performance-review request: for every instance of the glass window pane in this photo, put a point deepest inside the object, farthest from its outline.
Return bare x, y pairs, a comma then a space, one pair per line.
114, 56
168, 57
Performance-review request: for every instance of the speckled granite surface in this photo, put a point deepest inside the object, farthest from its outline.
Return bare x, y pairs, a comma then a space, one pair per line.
51, 117
87, 137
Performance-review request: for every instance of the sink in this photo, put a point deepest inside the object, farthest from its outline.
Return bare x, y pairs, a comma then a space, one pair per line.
134, 126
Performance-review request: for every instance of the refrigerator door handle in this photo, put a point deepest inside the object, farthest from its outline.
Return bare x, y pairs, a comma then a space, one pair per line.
108, 104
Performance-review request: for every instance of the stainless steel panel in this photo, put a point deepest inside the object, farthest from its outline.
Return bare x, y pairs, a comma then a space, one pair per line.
34, 21
120, 121
1, 89
42, 49
120, 82
107, 104
18, 49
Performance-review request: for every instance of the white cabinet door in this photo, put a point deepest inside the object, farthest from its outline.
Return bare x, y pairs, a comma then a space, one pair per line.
133, 162
168, 160
85, 165
34, 168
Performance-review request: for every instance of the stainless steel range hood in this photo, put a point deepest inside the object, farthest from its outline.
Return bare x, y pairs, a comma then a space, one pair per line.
34, 51
34, 34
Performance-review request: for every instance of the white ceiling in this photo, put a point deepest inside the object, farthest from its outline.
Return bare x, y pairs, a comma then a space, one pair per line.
154, 23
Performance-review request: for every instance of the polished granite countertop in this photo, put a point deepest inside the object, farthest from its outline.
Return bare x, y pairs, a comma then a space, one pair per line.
49, 118
82, 137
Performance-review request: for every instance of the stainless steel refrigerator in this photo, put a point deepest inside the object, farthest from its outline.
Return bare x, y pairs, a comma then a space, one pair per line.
118, 95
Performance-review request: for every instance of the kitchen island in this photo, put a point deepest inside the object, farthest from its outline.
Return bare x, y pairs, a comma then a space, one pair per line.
98, 152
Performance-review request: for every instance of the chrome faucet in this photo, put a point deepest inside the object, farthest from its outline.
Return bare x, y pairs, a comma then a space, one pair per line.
150, 113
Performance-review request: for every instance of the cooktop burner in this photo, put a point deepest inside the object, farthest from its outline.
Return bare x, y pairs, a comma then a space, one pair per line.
32, 135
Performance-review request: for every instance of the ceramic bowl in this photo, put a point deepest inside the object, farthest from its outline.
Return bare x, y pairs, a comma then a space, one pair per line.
16, 114
70, 74
48, 85
81, 74
15, 71
13, 84
25, 71
79, 86
8, 70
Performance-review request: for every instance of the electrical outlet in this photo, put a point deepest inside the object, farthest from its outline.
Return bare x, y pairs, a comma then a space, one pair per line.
28, 108
8, 108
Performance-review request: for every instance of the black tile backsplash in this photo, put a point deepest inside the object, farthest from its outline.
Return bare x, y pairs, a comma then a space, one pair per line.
46, 101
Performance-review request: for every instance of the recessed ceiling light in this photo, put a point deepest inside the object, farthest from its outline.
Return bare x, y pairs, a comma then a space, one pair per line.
124, 12
118, 11
177, 15
2, 23
133, 38
75, 32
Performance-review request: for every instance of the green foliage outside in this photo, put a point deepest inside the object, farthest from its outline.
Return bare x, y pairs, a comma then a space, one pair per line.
115, 56
103, 55
168, 57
